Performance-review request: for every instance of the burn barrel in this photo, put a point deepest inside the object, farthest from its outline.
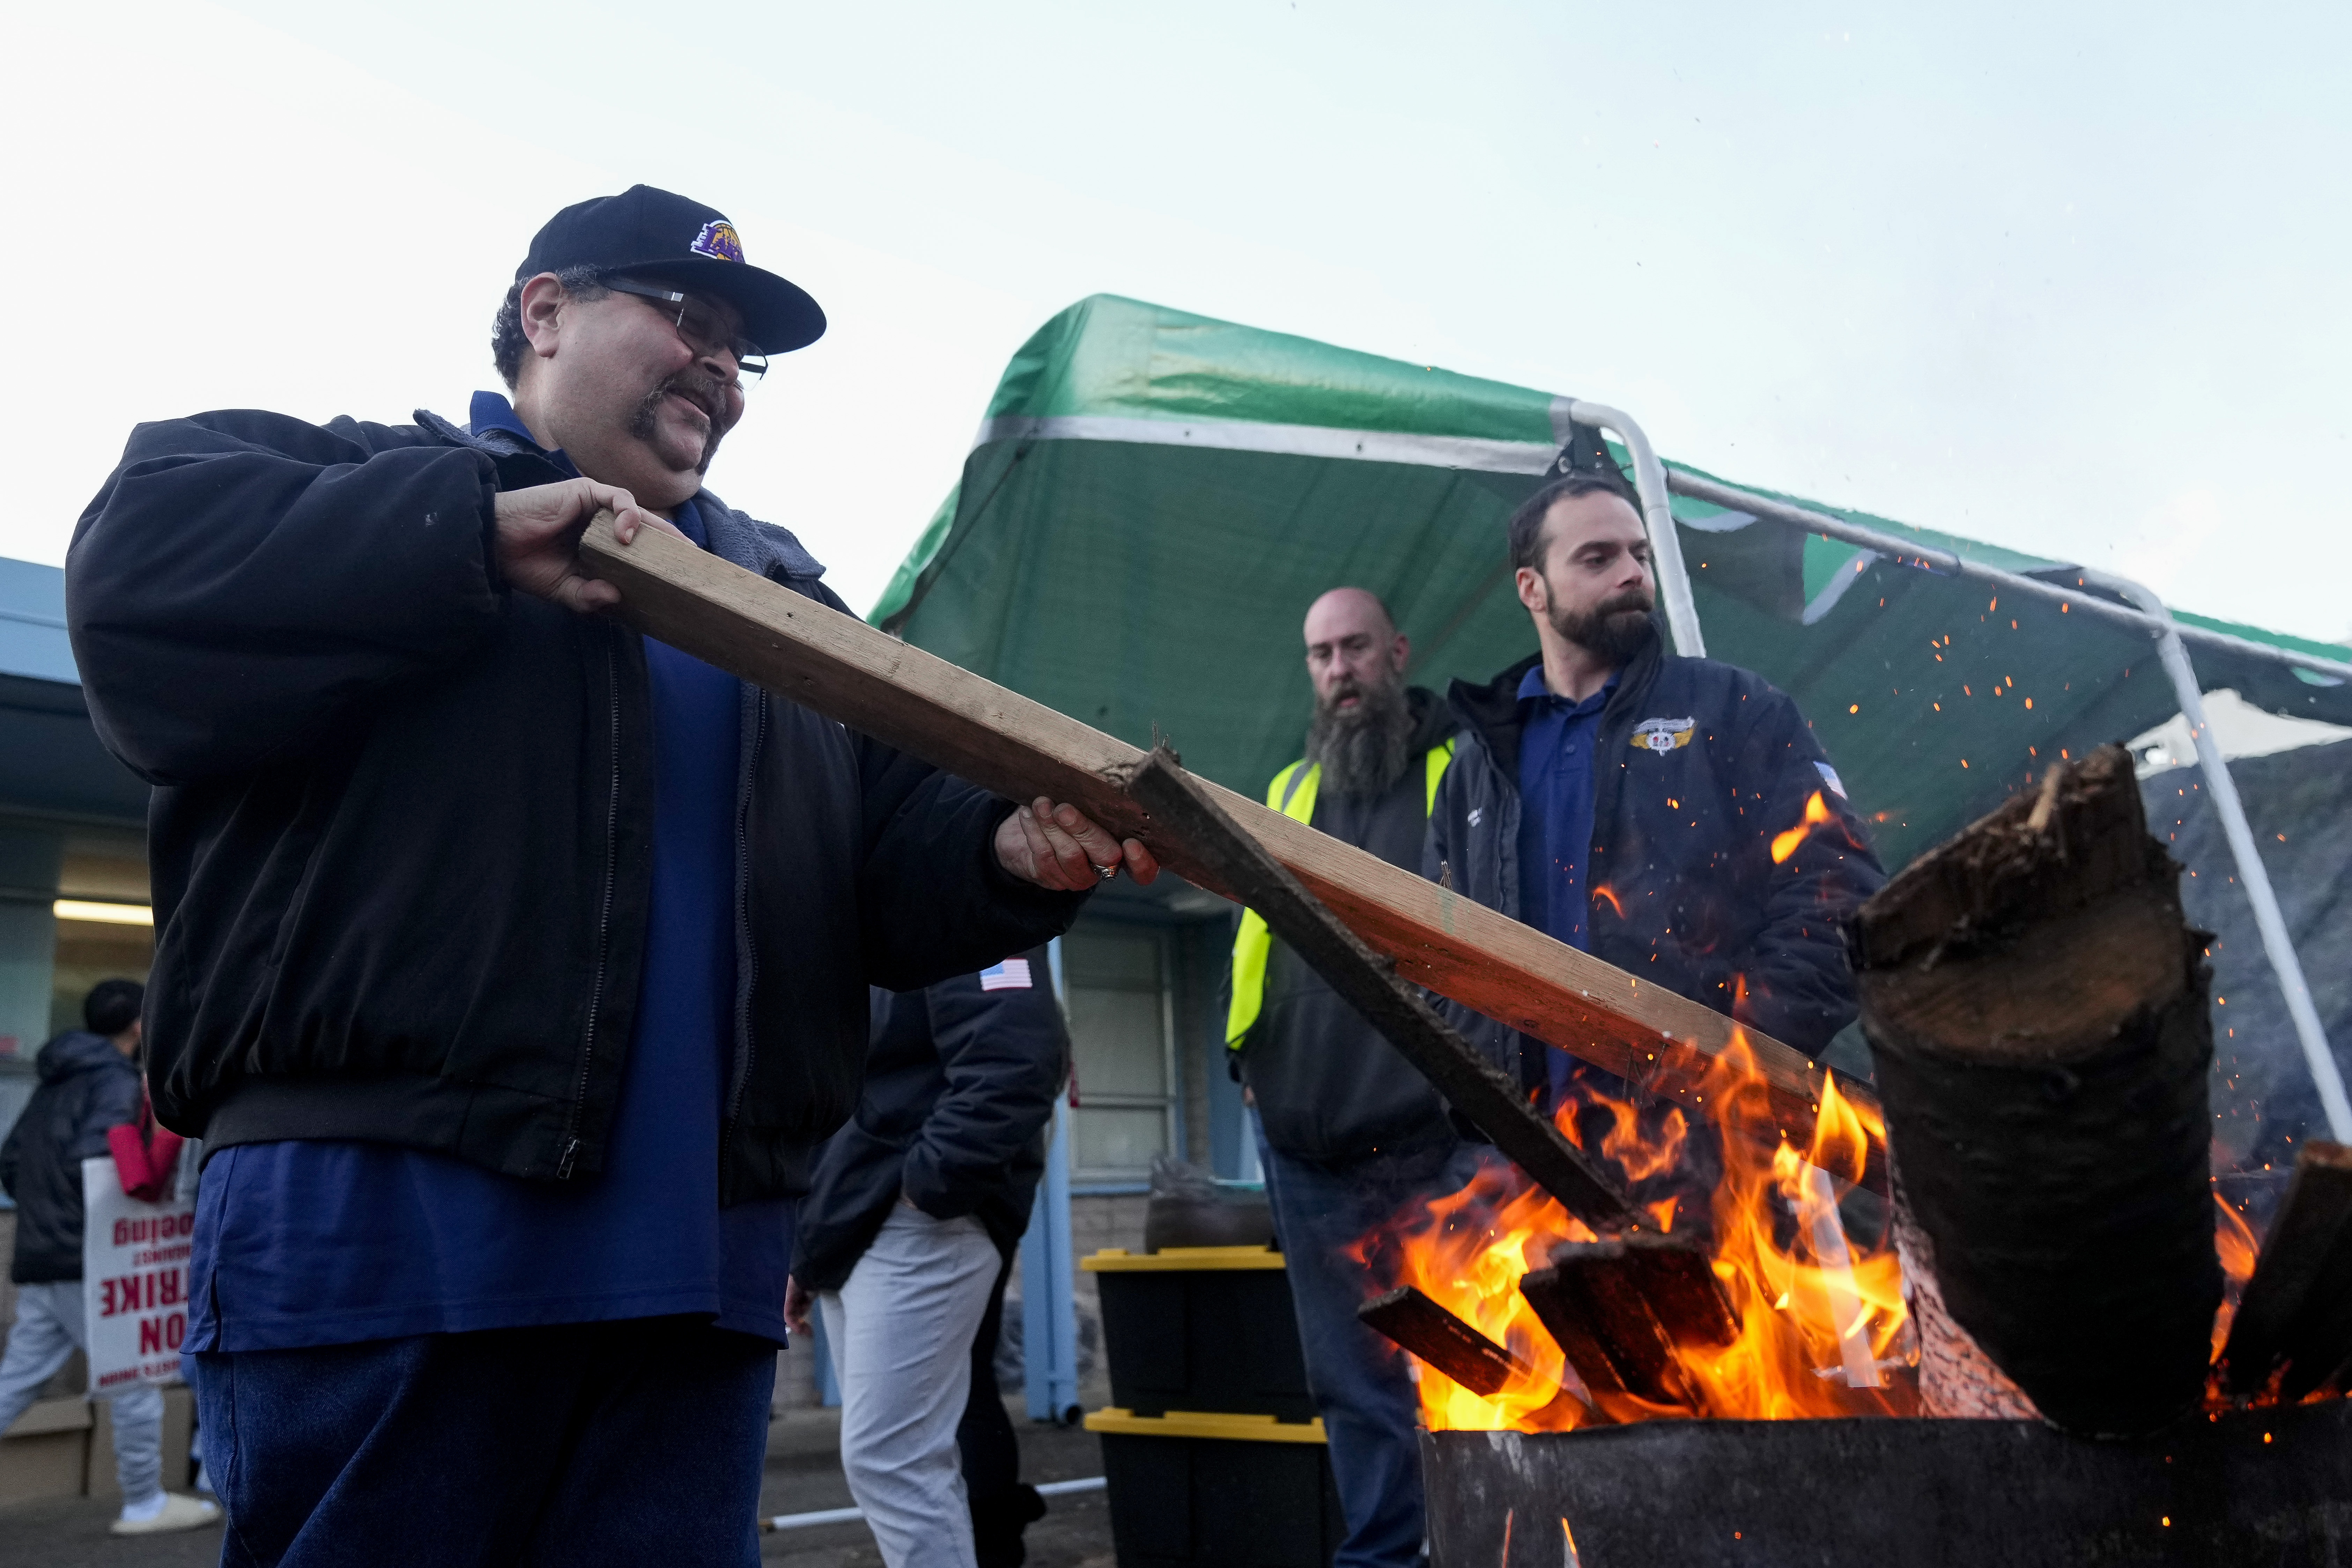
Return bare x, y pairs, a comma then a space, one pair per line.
2263, 1488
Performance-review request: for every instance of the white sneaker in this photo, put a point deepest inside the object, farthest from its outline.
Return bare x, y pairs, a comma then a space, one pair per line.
178, 1512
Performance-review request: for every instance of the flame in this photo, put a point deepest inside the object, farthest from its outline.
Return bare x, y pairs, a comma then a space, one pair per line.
1817, 811
1807, 1328
1605, 891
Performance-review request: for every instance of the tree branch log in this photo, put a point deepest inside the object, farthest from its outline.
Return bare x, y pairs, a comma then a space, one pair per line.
2036, 1005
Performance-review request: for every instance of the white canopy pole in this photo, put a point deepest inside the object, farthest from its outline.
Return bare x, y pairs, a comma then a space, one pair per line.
1658, 514
2251, 873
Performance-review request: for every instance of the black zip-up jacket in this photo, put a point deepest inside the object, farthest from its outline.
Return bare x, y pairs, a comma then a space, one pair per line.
1697, 767
960, 1086
1328, 1087
401, 834
88, 1087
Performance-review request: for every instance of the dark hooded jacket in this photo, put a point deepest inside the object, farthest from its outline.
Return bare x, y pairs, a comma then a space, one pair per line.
402, 828
1699, 767
86, 1089
959, 1087
1328, 1087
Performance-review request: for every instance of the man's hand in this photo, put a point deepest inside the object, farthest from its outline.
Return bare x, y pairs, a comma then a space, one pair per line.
1057, 846
797, 1301
538, 540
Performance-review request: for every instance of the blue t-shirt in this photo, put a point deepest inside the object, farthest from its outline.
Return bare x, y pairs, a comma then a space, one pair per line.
318, 1243
1557, 737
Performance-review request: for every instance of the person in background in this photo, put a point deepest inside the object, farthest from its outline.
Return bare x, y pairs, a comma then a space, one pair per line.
906, 1237
1626, 801
90, 1084
1350, 1134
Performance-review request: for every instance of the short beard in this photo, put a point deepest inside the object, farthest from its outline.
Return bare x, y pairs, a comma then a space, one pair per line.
642, 422
1362, 750
1613, 631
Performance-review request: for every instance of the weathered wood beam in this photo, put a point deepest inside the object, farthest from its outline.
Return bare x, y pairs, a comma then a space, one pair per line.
1419, 1325
2295, 1321
2038, 1010
1183, 808
840, 666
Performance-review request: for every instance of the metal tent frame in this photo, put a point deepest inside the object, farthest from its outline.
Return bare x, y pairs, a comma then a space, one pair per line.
2145, 611
1051, 1332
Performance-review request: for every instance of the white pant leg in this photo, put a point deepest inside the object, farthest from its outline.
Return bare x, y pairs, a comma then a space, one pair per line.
48, 1326
901, 1331
138, 1446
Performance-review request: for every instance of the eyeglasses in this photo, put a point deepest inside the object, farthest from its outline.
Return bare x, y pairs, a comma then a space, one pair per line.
699, 327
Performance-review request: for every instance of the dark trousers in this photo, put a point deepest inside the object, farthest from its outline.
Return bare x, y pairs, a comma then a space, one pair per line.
624, 1443
1002, 1507
1361, 1383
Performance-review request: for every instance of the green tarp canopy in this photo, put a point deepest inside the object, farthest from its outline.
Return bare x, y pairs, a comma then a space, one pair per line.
1155, 499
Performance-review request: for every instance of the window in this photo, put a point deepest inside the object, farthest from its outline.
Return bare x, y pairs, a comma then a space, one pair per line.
1122, 1035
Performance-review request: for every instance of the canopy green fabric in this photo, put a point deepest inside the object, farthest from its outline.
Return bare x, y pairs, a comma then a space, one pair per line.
1155, 498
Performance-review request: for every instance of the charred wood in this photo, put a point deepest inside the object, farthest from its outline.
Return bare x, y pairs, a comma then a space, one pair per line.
2036, 1006
1441, 1338
1620, 1310
2294, 1322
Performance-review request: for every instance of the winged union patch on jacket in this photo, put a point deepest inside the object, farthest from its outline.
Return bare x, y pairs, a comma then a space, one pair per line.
1662, 734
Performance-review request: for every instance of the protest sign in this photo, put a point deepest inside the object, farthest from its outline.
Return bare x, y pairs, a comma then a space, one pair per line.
134, 1280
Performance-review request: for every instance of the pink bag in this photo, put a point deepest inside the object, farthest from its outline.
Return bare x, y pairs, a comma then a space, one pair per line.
145, 1152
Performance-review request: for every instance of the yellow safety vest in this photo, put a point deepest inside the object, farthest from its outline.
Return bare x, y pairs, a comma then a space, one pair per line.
1292, 793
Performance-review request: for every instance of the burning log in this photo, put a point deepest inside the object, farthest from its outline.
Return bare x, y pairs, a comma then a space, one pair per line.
1441, 1338
2294, 1324
1620, 1309
2036, 1005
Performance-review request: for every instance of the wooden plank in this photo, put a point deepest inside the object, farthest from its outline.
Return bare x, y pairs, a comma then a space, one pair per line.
869, 680
1441, 1338
1184, 809
2295, 1321
1620, 1307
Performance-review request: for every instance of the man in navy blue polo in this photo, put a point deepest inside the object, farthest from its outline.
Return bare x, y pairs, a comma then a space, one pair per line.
511, 964
1624, 800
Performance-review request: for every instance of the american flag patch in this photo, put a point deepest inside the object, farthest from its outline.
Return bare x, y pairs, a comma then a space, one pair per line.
1013, 974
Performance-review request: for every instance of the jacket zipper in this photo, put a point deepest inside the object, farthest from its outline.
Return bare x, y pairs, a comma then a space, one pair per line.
603, 918
747, 956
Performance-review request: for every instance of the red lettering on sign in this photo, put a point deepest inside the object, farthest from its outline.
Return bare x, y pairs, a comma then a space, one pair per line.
175, 1329
151, 1336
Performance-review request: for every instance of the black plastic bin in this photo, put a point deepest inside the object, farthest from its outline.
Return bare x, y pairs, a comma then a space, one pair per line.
1200, 1328
1191, 1489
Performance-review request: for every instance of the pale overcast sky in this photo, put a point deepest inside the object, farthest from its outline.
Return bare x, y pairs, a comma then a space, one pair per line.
2066, 278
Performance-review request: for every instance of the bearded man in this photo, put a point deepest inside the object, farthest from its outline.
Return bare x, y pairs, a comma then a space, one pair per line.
1350, 1133
511, 964
1627, 801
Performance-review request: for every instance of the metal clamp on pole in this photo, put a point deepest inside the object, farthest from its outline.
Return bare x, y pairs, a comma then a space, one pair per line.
2251, 873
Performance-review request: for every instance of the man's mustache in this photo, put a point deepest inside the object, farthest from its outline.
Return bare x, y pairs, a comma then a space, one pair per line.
706, 392
1631, 599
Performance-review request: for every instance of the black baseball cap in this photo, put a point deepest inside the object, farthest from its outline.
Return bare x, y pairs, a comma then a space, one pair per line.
654, 233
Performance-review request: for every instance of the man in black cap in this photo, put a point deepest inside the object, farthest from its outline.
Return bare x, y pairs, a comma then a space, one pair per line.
509, 963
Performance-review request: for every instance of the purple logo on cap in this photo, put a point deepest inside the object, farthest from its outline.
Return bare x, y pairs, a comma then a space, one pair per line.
718, 240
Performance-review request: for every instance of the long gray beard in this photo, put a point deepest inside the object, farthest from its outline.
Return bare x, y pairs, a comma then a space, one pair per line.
1362, 751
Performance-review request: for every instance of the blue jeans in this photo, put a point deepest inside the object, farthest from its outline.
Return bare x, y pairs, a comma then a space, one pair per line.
630, 1442
1361, 1385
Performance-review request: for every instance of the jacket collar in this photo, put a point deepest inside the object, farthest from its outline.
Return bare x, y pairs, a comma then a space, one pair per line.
762, 547
1491, 710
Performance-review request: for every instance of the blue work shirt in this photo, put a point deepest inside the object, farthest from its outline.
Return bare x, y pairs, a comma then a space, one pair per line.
321, 1243
1556, 739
